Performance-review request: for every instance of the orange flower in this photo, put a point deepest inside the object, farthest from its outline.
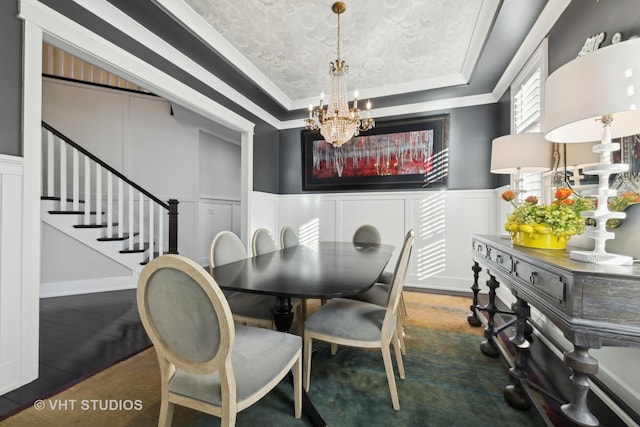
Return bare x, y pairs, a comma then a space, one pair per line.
531, 199
508, 196
562, 193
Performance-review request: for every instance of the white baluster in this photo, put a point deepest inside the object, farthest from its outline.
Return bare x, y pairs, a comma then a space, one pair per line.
87, 191
151, 231
120, 209
131, 206
63, 175
98, 194
76, 181
141, 220
160, 230
50, 165
109, 204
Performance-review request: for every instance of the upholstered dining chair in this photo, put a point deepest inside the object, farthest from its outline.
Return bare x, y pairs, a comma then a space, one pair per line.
206, 362
262, 243
288, 237
354, 323
368, 234
247, 308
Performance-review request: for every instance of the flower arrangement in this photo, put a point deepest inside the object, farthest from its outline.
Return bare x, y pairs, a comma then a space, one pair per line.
561, 218
619, 204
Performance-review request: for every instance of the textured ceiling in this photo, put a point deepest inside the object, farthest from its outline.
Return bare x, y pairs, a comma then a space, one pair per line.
391, 46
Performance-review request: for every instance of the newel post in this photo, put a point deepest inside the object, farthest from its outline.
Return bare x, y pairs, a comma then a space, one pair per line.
173, 226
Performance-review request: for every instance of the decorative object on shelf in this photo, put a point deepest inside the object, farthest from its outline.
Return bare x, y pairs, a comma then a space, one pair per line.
597, 97
546, 227
619, 204
337, 122
518, 153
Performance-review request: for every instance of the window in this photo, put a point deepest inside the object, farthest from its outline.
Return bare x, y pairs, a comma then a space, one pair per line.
527, 99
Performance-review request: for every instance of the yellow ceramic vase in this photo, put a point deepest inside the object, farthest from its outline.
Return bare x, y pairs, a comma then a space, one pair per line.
537, 240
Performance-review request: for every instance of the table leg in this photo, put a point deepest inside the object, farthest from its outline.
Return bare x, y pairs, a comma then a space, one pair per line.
283, 318
488, 347
283, 314
514, 393
473, 320
582, 364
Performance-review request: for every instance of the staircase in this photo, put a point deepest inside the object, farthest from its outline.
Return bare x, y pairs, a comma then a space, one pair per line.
90, 201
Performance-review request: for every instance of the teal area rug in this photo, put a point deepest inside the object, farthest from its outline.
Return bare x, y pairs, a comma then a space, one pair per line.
449, 382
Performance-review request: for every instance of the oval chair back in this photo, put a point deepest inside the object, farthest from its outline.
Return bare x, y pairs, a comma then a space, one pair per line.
170, 286
397, 282
262, 242
288, 237
225, 248
366, 235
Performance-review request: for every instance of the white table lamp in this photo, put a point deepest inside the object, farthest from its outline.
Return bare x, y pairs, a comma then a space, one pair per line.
518, 153
595, 98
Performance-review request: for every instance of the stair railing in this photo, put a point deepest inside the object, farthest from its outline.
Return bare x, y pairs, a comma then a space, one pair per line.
58, 175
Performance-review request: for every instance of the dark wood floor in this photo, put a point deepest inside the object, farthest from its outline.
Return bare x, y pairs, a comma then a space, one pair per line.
79, 336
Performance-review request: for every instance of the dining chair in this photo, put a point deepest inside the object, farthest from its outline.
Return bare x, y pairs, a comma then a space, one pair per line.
368, 234
262, 243
354, 323
247, 308
288, 237
206, 362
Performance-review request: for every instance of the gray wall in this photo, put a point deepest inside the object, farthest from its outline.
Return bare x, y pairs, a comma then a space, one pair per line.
11, 81
471, 130
583, 19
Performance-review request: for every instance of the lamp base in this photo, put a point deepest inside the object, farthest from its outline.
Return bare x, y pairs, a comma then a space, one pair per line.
601, 258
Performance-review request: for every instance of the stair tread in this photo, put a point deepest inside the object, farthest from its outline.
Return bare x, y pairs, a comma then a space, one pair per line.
57, 212
56, 198
137, 248
115, 224
115, 237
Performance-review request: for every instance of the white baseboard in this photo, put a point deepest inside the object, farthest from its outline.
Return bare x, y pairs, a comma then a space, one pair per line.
77, 287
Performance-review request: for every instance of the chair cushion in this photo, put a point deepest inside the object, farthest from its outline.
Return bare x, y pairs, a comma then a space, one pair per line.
348, 319
378, 294
257, 356
257, 306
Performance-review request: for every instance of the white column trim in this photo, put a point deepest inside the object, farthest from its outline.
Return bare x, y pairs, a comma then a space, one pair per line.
31, 237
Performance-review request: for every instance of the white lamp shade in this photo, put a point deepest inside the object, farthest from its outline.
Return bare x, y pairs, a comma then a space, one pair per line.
580, 154
522, 152
606, 81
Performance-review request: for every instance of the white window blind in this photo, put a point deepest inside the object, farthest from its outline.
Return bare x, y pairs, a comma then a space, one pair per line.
527, 97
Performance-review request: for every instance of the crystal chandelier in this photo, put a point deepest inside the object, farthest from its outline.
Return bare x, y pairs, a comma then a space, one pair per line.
337, 122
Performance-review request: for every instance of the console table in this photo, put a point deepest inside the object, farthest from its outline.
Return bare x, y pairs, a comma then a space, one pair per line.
594, 305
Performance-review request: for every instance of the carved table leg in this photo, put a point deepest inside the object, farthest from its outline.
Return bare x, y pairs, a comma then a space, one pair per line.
514, 394
283, 314
487, 346
473, 319
582, 364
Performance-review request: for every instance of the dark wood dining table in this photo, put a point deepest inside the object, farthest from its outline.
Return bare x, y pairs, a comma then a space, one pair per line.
319, 270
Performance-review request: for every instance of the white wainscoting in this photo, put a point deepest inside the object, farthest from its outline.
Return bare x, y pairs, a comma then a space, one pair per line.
11, 281
443, 221
215, 215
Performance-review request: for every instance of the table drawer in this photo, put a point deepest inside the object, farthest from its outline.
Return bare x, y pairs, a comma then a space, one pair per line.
550, 284
479, 248
501, 259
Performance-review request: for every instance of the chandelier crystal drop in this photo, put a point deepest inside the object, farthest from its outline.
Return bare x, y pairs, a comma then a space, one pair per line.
337, 122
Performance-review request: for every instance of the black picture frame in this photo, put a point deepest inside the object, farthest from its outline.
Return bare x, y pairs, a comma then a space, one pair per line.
395, 154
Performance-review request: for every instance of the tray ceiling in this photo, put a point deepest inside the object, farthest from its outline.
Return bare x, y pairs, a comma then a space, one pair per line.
392, 46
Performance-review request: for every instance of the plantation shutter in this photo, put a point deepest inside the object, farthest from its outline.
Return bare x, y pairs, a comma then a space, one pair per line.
527, 95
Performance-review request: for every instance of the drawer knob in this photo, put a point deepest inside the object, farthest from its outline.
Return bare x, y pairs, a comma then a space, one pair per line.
499, 259
532, 277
